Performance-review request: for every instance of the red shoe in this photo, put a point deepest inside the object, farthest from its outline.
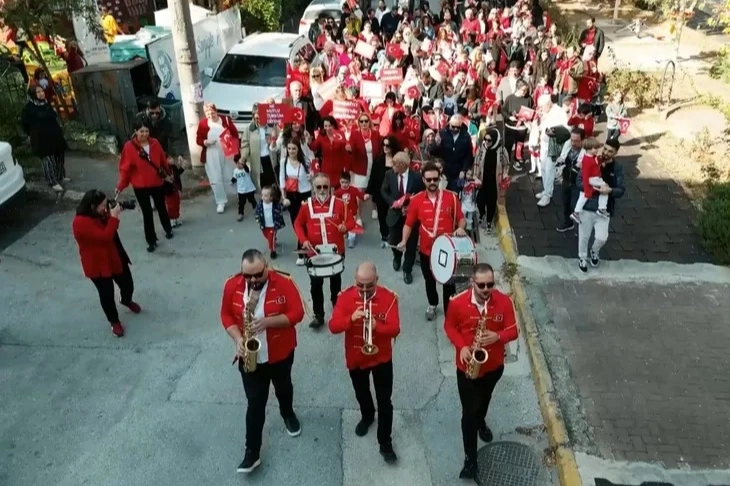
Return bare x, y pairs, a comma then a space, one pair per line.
118, 329
134, 307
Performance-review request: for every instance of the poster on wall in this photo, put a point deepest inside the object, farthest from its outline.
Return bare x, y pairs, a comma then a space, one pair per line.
95, 51
214, 36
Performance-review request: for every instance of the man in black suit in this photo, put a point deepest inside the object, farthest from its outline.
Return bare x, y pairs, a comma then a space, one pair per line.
399, 181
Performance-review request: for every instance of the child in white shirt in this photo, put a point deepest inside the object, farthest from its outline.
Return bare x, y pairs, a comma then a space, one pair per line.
269, 215
244, 187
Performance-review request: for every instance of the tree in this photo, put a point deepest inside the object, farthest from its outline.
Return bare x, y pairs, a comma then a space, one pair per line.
721, 17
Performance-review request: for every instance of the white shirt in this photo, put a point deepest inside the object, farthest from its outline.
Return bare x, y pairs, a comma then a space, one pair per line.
379, 13
474, 301
404, 178
244, 184
268, 214
289, 171
553, 118
258, 313
264, 143
146, 148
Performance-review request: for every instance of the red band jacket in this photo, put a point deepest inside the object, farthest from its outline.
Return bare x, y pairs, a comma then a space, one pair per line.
386, 325
423, 210
282, 298
463, 317
318, 222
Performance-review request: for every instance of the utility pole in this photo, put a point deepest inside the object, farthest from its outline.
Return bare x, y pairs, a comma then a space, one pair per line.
191, 90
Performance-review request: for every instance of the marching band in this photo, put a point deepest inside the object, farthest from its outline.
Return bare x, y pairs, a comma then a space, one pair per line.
262, 306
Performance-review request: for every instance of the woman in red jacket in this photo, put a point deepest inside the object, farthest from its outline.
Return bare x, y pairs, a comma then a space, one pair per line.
103, 258
143, 164
366, 145
331, 147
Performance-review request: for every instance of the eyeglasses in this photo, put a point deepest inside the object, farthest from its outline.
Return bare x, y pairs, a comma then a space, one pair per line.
322, 186
364, 121
483, 285
249, 276
431, 179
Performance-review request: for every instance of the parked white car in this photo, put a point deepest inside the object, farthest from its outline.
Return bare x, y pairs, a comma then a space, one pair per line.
314, 9
253, 70
11, 174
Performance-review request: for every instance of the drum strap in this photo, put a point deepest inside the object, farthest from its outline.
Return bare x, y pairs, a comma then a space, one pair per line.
436, 215
322, 217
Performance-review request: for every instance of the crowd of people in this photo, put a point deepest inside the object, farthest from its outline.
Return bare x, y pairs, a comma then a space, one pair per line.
424, 114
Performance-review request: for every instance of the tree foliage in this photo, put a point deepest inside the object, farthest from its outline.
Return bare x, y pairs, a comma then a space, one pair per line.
49, 16
261, 15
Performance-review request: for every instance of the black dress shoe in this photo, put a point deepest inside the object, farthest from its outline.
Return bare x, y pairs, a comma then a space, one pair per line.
396, 265
408, 278
485, 433
151, 248
362, 427
317, 322
169, 235
386, 450
469, 471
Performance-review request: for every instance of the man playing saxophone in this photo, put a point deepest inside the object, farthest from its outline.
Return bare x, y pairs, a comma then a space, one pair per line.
265, 305
481, 318
368, 315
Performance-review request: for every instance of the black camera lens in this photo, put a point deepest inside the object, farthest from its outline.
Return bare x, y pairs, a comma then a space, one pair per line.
128, 205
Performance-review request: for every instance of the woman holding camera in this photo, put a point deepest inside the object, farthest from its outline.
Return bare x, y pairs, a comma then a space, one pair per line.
103, 258
144, 165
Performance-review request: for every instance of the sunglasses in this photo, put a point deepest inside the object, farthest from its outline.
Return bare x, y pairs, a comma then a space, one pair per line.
483, 285
386, 145
432, 179
322, 186
249, 276
364, 121
454, 128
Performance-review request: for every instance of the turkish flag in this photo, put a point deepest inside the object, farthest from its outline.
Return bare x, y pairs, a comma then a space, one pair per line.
394, 51
358, 230
294, 115
413, 92
623, 125
316, 166
416, 165
485, 106
338, 136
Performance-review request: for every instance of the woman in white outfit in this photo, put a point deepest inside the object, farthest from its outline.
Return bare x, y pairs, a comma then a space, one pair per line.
219, 168
294, 178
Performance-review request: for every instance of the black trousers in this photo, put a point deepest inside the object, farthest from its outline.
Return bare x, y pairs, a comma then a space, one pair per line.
487, 201
144, 198
431, 290
256, 386
249, 197
383, 384
105, 287
511, 138
407, 257
382, 208
475, 396
296, 199
268, 178
567, 197
316, 288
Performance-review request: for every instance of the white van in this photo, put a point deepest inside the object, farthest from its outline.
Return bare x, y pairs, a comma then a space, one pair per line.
253, 70
11, 174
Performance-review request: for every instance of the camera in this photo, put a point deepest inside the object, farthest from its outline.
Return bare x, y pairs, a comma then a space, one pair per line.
126, 205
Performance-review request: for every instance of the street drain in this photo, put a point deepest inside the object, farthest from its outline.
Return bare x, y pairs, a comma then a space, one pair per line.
510, 464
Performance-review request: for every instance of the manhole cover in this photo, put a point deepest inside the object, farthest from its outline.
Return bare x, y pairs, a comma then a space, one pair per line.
510, 464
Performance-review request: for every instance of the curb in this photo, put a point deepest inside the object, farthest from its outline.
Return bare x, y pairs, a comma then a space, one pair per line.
557, 433
40, 187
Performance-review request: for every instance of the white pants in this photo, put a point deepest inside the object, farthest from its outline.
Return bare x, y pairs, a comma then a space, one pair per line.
548, 173
591, 222
219, 172
582, 199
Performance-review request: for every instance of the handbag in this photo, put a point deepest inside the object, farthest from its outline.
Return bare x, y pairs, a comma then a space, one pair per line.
168, 188
291, 184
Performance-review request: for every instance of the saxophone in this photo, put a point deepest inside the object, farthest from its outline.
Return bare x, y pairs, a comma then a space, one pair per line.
478, 354
252, 344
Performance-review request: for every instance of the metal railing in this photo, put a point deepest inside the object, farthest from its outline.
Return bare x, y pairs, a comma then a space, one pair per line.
102, 109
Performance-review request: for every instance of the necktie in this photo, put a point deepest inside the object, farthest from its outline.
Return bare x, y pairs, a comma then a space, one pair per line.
401, 189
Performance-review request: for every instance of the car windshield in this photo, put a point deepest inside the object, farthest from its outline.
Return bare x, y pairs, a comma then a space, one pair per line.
269, 72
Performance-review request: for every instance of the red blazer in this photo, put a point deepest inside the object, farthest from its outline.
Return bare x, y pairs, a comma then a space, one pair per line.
136, 171
100, 256
202, 135
308, 228
282, 298
422, 210
334, 156
461, 322
385, 317
359, 153
384, 121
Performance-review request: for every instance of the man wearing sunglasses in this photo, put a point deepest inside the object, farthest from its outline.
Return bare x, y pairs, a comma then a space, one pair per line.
437, 212
350, 316
323, 220
278, 309
481, 301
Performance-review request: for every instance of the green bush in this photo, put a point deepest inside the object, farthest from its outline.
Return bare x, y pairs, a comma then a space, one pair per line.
720, 68
261, 15
715, 221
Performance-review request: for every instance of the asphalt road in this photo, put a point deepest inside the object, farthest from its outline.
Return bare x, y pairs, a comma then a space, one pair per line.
24, 212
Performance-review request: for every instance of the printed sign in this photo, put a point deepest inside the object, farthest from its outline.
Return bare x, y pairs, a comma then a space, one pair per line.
272, 113
364, 49
327, 89
345, 110
197, 92
372, 90
95, 51
391, 76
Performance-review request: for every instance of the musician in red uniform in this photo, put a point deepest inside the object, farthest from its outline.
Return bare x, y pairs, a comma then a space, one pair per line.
323, 220
278, 309
439, 213
349, 316
482, 300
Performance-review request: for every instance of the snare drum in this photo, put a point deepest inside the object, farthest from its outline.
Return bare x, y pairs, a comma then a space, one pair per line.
327, 265
452, 257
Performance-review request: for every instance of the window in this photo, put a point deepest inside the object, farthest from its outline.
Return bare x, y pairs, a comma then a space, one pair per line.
268, 72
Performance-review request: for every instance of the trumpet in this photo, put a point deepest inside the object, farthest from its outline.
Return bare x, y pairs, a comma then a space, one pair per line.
252, 344
479, 355
368, 349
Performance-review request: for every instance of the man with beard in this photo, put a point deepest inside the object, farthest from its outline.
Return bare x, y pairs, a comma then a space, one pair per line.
322, 221
571, 158
277, 309
160, 125
591, 222
368, 315
438, 212
480, 305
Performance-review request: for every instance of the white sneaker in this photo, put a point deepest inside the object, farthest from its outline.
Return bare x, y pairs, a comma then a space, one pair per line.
300, 261
539, 195
220, 208
544, 201
375, 214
